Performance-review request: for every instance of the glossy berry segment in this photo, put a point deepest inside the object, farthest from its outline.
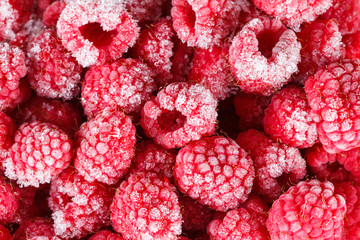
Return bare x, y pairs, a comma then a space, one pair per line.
33, 227
308, 210
7, 130
52, 13
96, 31
180, 113
105, 235
106, 146
215, 171
352, 45
39, 153
333, 95
146, 206
144, 10
5, 233
9, 201
263, 55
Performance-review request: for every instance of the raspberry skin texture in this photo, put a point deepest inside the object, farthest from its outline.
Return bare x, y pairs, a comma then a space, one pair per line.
333, 94
52, 13
7, 130
106, 146
293, 13
39, 153
5, 233
215, 171
96, 31
79, 207
126, 83
263, 56
204, 24
180, 113
352, 45
146, 206
33, 227
181, 61
308, 210
287, 118
52, 71
105, 235
9, 201
276, 164
144, 10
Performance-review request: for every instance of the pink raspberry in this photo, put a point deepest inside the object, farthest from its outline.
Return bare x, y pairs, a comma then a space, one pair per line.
79, 207
105, 235
96, 31
263, 55
5, 233
215, 171
352, 45
333, 94
293, 13
52, 13
126, 83
7, 130
39, 153
180, 113
287, 118
33, 227
106, 146
144, 10
9, 201
146, 206
12, 68
203, 23
308, 210
276, 165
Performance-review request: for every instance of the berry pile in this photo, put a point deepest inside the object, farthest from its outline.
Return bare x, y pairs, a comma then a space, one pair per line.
179, 119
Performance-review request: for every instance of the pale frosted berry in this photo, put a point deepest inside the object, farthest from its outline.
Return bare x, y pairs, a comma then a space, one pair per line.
52, 13
106, 235
33, 227
9, 201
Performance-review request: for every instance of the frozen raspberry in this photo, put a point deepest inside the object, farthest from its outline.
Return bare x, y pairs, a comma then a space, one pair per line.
203, 23
287, 118
152, 157
352, 45
215, 171
276, 165
5, 233
181, 61
144, 10
333, 94
12, 68
248, 12
39, 153
52, 13
263, 55
7, 130
146, 206
105, 235
127, 83
309, 210
79, 207
35, 227
180, 113
292, 12
9, 201
41, 5
106, 146
211, 69
96, 31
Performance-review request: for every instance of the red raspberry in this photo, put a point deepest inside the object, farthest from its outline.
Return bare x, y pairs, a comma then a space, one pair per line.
203, 23
293, 13
181, 61
44, 238
105, 235
263, 55
287, 118
333, 94
52, 13
180, 113
79, 207
35, 227
211, 69
352, 45
309, 210
12, 68
215, 171
127, 83
9, 201
5, 233
7, 130
276, 165
29, 207
248, 12
144, 10
146, 206
106, 146
96, 31
39, 153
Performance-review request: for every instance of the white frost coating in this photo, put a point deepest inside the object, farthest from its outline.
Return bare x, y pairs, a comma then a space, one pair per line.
8, 18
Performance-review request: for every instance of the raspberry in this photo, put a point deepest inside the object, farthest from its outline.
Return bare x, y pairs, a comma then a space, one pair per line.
127, 83
352, 45
210, 68
181, 61
215, 171
5, 233
293, 13
44, 238
276, 165
9, 201
146, 206
180, 113
309, 210
33, 227
287, 118
106, 146
79, 207
333, 95
144, 10
52, 71
263, 55
96, 31
248, 12
12, 68
203, 23
39, 153
7, 130
52, 13
105, 235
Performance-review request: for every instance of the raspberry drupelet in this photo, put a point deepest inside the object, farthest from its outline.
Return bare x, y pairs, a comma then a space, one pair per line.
146, 206
263, 55
96, 31
5, 233
52, 13
352, 45
105, 235
308, 210
9, 201
180, 113
33, 227
7, 130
